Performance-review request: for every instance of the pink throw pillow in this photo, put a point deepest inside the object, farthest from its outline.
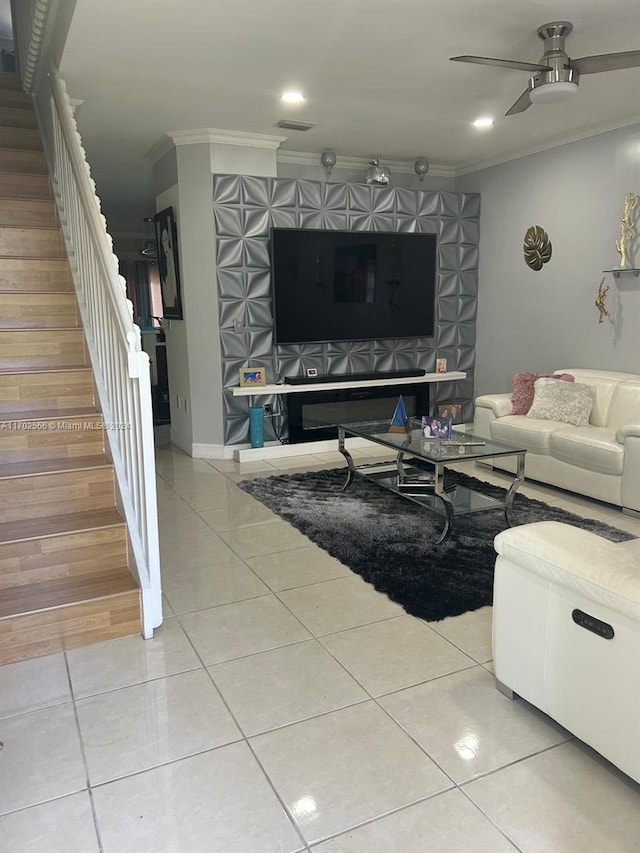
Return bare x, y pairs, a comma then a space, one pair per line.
522, 389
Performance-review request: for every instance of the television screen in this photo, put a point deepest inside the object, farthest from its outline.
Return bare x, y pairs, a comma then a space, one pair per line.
350, 286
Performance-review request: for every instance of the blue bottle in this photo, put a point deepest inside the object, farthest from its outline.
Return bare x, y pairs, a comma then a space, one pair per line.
256, 426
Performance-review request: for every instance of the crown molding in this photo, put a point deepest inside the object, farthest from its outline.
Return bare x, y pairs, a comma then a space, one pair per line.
305, 158
211, 136
595, 130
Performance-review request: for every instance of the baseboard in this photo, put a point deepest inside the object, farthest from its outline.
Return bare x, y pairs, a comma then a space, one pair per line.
247, 454
212, 451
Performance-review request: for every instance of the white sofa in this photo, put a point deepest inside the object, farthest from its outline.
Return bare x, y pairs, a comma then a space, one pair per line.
566, 632
601, 460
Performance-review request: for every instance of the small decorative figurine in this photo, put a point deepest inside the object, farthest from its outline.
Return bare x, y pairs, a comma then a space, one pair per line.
400, 421
601, 299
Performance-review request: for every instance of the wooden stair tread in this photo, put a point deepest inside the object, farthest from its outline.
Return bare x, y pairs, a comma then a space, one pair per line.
52, 466
41, 368
7, 227
5, 197
49, 414
65, 293
17, 148
23, 173
44, 369
40, 329
59, 525
31, 257
34, 598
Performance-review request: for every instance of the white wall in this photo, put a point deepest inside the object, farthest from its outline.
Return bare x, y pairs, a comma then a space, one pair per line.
177, 344
545, 320
199, 294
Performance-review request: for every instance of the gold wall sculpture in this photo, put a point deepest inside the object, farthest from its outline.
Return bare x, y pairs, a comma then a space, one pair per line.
628, 216
601, 299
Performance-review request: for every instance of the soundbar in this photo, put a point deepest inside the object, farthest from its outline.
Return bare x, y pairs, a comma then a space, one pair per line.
355, 377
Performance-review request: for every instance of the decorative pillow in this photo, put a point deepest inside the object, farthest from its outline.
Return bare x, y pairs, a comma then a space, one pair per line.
569, 402
522, 389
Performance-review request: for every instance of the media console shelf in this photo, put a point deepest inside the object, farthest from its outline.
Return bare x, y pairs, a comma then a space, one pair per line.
265, 390
314, 409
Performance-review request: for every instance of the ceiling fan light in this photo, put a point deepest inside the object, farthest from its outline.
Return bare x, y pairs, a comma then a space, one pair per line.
551, 93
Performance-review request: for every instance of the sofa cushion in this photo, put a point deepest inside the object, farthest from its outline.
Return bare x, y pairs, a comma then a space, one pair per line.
521, 431
569, 402
624, 407
593, 448
522, 389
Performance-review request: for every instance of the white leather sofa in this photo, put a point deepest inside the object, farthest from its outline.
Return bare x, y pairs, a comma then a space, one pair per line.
601, 460
566, 632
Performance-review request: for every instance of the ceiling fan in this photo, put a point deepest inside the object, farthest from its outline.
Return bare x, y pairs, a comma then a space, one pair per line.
556, 76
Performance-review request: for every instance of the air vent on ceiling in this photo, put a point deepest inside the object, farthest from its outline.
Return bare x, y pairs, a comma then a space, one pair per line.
289, 124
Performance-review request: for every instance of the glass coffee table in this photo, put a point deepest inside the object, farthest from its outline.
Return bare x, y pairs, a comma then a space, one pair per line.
418, 471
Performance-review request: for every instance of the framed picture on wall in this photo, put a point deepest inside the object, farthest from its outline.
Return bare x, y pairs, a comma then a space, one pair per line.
168, 266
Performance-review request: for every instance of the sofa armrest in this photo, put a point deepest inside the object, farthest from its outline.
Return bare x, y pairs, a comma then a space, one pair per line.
500, 404
576, 559
626, 431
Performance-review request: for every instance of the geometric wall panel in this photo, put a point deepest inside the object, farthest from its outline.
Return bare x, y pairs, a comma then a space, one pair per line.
283, 193
232, 283
247, 207
335, 196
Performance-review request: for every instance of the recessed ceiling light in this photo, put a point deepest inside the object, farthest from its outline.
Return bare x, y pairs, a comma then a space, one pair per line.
483, 122
292, 97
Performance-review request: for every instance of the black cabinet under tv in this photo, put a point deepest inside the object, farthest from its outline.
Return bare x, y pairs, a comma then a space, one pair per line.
312, 415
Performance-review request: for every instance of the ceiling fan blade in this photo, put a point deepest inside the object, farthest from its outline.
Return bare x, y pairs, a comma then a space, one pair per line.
523, 103
607, 62
532, 67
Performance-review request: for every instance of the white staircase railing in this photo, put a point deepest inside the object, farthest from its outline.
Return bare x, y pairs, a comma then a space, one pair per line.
120, 365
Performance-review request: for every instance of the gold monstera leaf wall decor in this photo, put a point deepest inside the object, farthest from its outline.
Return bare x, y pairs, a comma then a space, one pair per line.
537, 247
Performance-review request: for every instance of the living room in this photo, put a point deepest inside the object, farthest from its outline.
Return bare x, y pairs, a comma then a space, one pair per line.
285, 704
504, 163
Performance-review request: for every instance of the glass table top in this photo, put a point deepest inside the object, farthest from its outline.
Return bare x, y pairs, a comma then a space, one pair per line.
462, 445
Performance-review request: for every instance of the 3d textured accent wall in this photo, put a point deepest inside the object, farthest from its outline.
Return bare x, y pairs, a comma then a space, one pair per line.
246, 207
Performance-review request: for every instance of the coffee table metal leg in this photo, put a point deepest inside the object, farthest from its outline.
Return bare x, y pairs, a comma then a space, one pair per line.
513, 488
352, 468
447, 503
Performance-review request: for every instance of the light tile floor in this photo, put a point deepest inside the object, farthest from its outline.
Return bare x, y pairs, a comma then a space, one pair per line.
285, 705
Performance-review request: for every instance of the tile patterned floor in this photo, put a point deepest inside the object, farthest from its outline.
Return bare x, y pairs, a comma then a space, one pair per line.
287, 706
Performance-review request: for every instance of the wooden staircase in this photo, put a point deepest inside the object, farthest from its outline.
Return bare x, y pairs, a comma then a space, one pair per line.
64, 580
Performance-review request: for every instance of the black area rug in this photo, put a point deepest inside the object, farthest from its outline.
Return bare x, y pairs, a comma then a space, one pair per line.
389, 540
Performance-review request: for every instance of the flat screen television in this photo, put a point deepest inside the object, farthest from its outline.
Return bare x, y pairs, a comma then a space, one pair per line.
350, 286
